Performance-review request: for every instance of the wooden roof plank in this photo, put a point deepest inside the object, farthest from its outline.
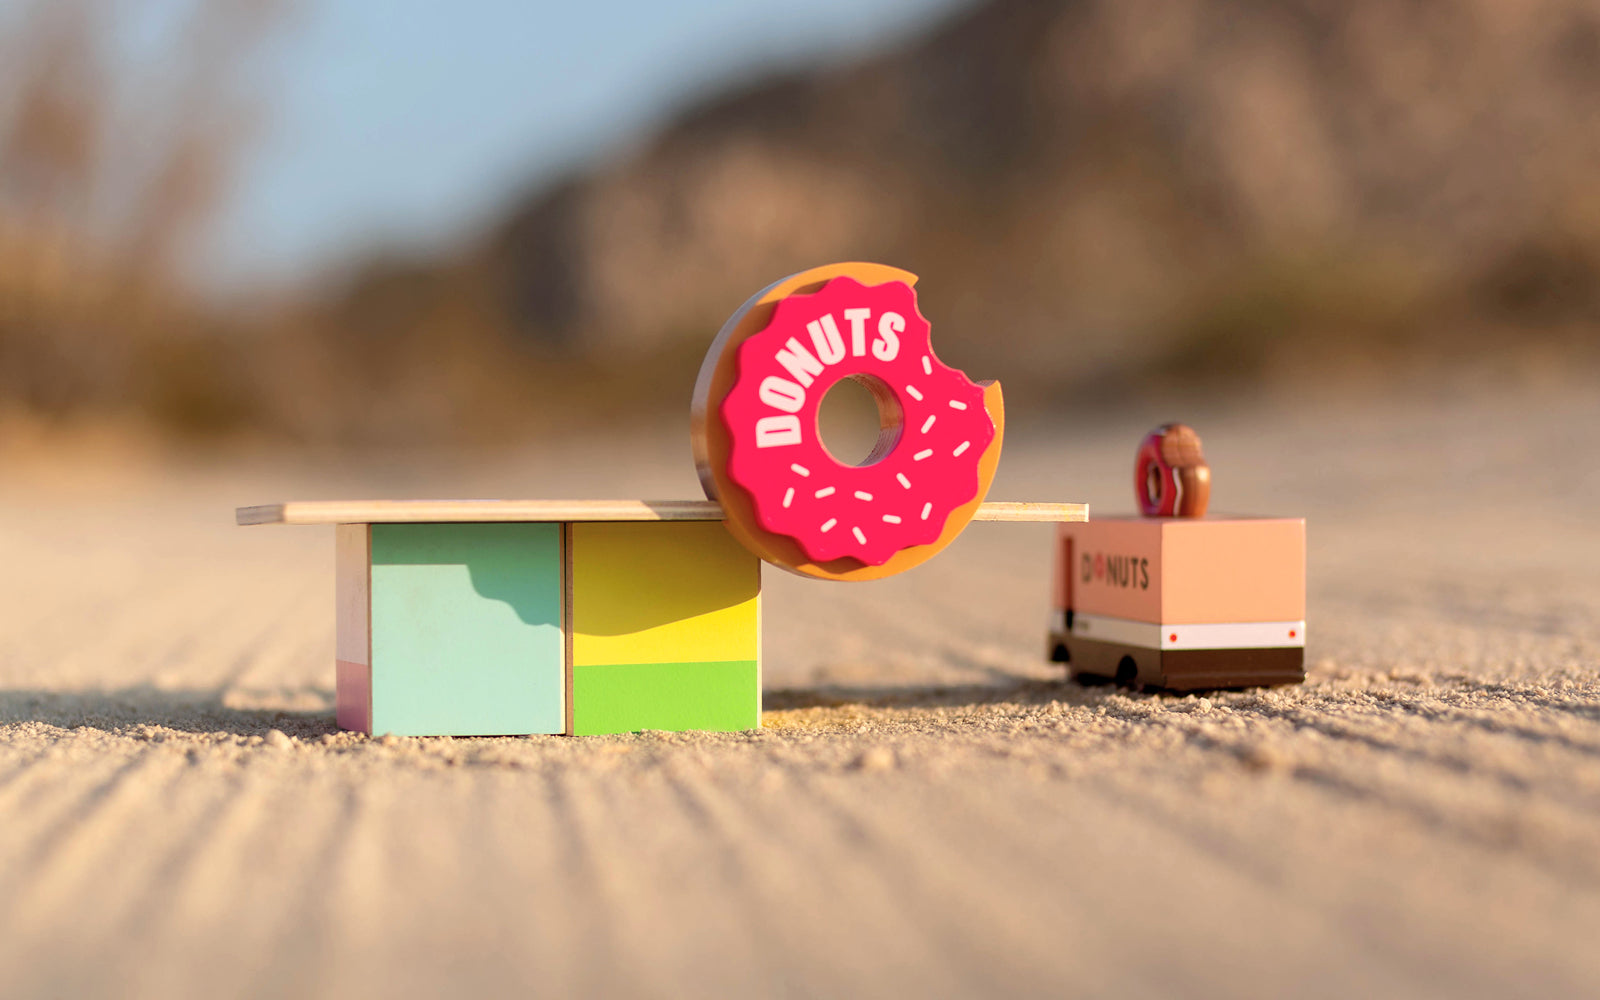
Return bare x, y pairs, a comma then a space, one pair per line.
435, 511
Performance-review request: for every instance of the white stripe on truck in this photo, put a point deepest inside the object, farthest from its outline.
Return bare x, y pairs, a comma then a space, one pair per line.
1209, 635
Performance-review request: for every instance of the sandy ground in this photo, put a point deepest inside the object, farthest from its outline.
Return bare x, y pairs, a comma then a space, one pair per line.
928, 809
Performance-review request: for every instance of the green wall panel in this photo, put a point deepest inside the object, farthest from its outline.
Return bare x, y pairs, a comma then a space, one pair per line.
623, 698
466, 629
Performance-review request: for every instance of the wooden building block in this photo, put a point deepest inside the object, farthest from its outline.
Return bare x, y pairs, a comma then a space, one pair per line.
665, 627
466, 633
722, 696
661, 593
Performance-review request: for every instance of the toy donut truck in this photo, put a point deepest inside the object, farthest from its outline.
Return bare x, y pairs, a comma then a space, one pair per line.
1175, 599
501, 617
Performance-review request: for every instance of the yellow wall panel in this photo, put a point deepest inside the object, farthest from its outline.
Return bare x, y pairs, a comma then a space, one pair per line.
663, 592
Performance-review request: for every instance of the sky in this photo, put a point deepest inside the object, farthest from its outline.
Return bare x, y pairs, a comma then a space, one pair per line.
405, 124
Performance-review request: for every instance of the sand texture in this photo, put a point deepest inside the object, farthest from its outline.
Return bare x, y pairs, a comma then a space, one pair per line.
929, 810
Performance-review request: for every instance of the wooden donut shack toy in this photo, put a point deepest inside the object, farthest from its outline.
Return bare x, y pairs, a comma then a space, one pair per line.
1176, 599
580, 617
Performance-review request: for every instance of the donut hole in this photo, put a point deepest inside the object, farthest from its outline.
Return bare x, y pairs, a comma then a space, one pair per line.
859, 420
1152, 485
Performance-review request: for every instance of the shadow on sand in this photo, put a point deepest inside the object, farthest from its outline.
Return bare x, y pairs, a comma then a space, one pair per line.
126, 710
1014, 692
308, 713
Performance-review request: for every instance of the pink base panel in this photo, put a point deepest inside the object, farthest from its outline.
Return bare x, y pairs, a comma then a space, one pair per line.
353, 642
353, 697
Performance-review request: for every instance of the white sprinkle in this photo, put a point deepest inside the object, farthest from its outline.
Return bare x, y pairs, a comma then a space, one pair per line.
903, 480
863, 495
927, 366
891, 519
911, 391
859, 536
924, 453
927, 509
802, 470
826, 491
956, 404
963, 446
829, 523
788, 496
928, 423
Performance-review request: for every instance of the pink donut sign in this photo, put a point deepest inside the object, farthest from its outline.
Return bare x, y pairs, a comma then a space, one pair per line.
935, 427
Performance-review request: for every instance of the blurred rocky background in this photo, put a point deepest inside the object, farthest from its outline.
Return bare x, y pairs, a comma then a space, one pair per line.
1106, 199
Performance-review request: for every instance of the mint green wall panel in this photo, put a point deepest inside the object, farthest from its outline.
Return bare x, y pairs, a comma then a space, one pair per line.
466, 629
